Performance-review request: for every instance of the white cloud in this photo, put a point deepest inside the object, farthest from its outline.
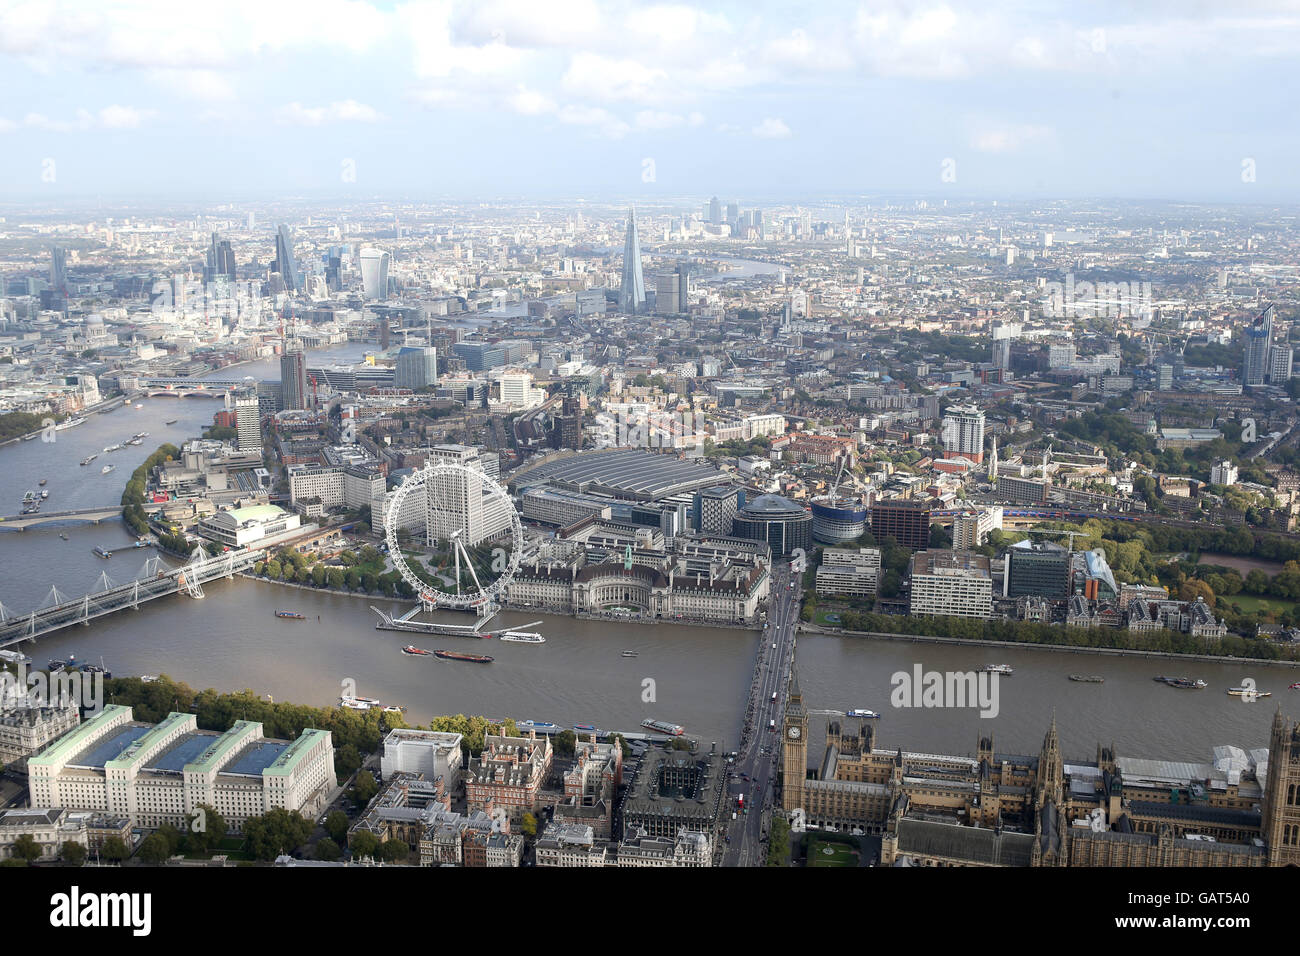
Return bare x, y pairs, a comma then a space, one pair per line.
772, 128
342, 111
599, 119
110, 117
1009, 138
530, 102
122, 117
592, 76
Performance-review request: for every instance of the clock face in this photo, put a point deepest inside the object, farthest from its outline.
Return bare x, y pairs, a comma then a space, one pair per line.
794, 733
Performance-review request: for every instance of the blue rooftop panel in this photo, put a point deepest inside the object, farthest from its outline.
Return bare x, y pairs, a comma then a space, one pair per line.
186, 751
257, 758
110, 748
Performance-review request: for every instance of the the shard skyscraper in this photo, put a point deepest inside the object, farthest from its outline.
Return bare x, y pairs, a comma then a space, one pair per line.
631, 297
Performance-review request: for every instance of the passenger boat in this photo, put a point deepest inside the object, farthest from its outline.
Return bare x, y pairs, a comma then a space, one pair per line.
663, 727
1295, 686
70, 423
394, 709
89, 458
862, 712
998, 669
1094, 679
629, 653
44, 491
537, 725
106, 469
587, 728
1247, 692
149, 678
56, 665
414, 651
1184, 682
523, 637
291, 615
457, 656
14, 657
358, 703
172, 422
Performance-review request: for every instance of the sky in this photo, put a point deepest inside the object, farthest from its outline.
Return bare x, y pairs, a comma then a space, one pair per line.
545, 99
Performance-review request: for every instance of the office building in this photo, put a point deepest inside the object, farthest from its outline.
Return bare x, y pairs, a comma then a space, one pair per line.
248, 421
778, 521
675, 790
1037, 569
220, 260
285, 264
631, 296
951, 583
716, 509
430, 752
1023, 491
416, 368
509, 774
157, 774
853, 572
59, 271
906, 520
294, 395
374, 274
971, 529
838, 519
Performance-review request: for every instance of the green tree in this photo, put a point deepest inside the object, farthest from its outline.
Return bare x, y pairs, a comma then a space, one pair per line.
394, 851
327, 849
364, 845
778, 841
26, 848
347, 761
73, 854
206, 829
336, 825
155, 849
276, 832
365, 788
528, 826
114, 849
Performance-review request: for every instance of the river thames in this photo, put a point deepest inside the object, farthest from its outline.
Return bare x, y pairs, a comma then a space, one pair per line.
699, 676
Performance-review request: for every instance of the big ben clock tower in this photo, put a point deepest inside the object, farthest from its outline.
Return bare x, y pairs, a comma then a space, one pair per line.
794, 749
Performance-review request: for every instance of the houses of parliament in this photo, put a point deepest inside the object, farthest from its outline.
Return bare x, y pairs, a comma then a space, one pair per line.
997, 809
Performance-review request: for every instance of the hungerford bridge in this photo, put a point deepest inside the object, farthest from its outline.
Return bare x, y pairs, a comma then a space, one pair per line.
92, 515
155, 580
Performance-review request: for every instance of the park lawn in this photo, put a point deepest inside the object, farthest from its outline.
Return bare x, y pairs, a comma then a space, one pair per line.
820, 616
823, 852
1250, 603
